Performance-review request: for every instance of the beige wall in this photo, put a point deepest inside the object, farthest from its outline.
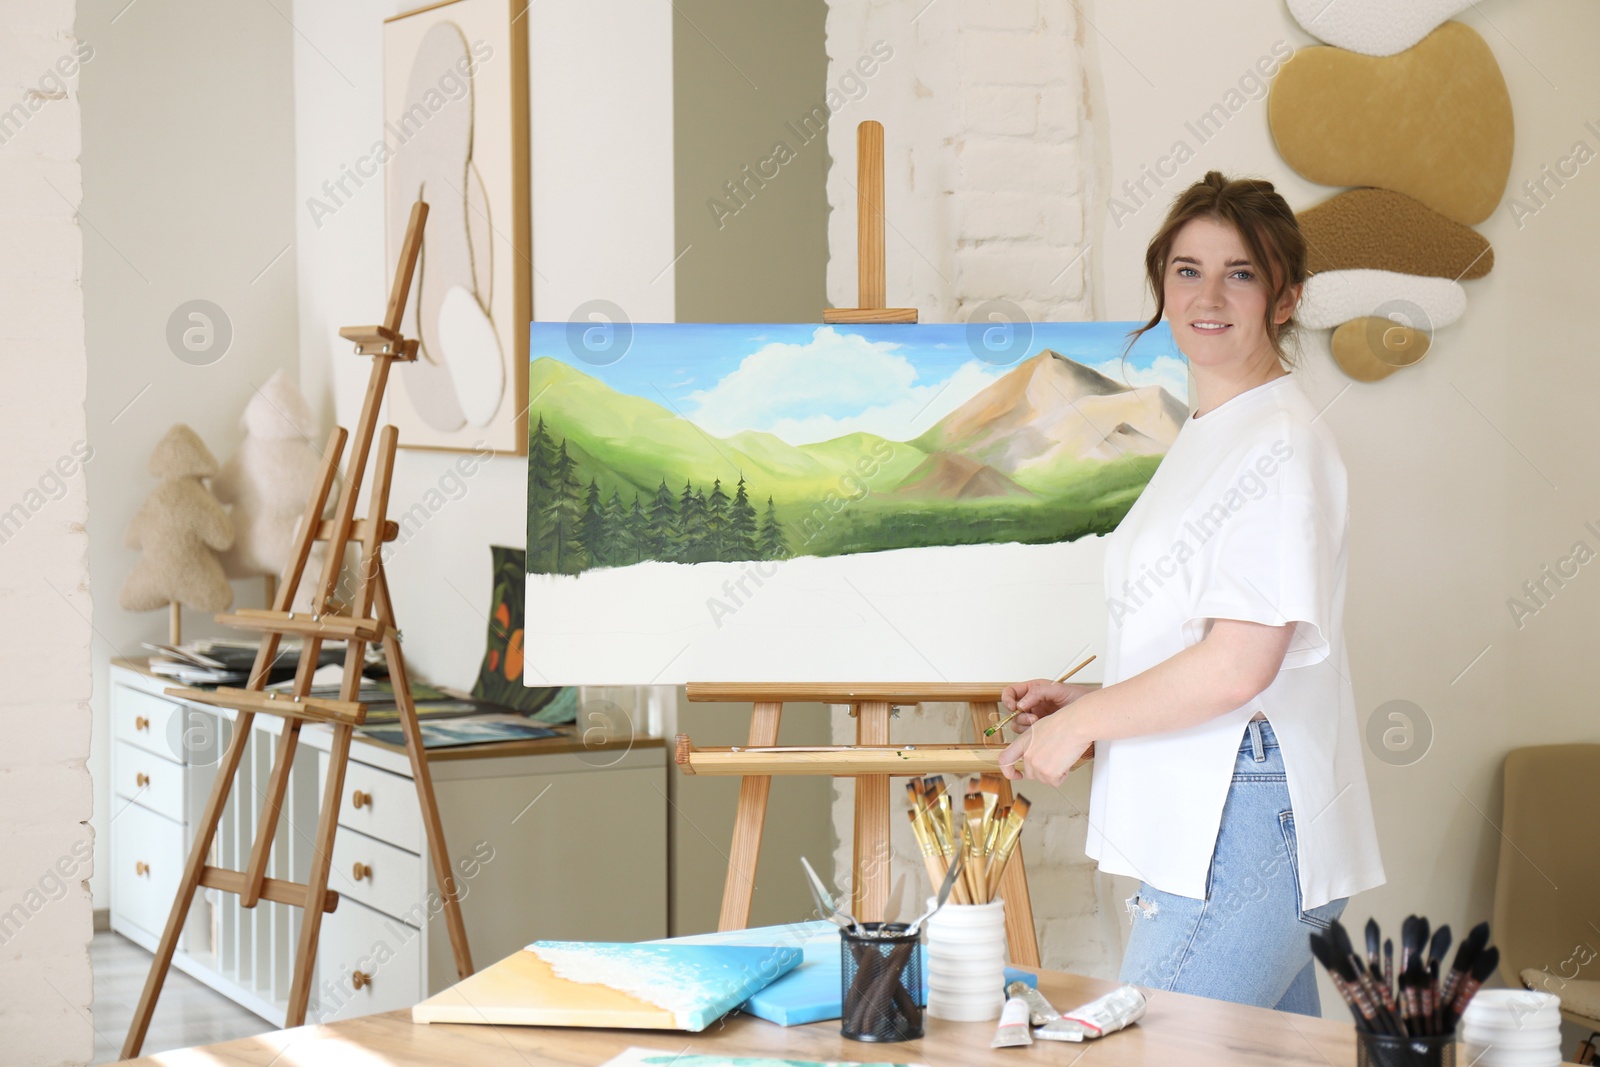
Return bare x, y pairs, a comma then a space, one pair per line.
45, 793
741, 72
1467, 473
188, 156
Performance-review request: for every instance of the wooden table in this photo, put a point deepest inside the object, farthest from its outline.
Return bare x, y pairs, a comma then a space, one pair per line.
1177, 1029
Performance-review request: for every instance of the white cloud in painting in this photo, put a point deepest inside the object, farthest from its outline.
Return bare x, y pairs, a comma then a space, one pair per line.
834, 384
1169, 372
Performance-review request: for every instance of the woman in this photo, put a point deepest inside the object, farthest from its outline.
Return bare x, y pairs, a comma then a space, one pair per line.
1228, 775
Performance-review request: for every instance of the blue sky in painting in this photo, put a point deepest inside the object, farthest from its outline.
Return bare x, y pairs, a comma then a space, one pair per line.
806, 383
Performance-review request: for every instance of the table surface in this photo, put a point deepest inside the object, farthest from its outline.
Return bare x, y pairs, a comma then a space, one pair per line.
1177, 1029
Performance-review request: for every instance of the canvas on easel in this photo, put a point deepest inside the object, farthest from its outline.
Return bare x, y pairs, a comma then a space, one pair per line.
828, 503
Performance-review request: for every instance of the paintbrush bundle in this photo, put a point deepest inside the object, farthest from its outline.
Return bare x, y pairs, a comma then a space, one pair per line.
987, 832
1413, 999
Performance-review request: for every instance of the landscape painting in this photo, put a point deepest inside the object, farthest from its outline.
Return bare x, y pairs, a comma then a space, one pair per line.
721, 502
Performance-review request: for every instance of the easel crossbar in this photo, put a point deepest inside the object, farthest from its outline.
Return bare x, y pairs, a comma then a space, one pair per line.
283, 705
899, 761
274, 889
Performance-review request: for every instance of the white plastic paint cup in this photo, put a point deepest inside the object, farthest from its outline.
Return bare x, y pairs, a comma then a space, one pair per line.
1512, 1028
967, 961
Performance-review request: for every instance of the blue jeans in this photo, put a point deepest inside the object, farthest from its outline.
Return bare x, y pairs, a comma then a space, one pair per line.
1248, 941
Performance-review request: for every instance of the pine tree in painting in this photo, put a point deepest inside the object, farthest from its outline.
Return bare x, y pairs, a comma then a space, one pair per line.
681, 543
565, 512
717, 522
592, 526
663, 524
541, 465
695, 548
770, 538
615, 547
741, 538
636, 532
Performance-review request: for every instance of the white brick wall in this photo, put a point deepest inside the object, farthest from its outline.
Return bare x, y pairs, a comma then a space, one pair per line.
989, 180
45, 796
987, 159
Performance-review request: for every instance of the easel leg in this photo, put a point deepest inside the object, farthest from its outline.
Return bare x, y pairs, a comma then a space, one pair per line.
1021, 936
745, 852
305, 957
271, 809
205, 830
423, 777
871, 881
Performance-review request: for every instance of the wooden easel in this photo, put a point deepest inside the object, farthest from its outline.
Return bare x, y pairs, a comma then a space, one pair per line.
872, 761
325, 622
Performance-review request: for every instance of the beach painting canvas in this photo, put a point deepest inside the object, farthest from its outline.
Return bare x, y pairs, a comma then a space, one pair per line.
586, 983
813, 503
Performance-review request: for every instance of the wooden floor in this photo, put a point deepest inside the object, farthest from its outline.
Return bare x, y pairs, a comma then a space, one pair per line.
188, 1013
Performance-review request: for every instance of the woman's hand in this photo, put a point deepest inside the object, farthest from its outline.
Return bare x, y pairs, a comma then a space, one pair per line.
1038, 698
1046, 752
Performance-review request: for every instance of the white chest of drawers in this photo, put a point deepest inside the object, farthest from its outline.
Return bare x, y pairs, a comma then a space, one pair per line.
547, 839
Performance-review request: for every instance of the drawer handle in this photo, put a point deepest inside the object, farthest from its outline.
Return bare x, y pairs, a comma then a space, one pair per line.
141, 868
141, 779
360, 800
360, 980
141, 723
362, 871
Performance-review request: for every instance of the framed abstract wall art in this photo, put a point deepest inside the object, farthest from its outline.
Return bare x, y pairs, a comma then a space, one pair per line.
455, 134
831, 503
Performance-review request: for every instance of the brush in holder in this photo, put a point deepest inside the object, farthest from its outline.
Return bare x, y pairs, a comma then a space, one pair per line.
881, 976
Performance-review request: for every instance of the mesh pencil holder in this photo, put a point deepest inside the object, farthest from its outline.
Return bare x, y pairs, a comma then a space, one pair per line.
881, 983
1391, 1050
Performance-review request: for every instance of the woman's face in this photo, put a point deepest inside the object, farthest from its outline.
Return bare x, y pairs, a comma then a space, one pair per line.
1217, 299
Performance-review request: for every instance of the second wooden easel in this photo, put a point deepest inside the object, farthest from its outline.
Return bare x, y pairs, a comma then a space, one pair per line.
872, 762
369, 619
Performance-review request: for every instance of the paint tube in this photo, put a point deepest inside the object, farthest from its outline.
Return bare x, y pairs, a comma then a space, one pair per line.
1039, 1009
1013, 1025
1111, 1012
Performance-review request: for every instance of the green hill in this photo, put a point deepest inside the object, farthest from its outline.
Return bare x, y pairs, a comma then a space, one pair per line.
853, 493
630, 443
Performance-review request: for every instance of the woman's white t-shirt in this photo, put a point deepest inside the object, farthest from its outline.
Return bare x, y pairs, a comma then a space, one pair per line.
1245, 518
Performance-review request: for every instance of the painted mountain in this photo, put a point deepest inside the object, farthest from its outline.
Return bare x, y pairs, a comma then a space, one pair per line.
1050, 450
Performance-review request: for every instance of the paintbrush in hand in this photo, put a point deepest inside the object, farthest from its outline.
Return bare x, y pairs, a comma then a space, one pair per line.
997, 727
